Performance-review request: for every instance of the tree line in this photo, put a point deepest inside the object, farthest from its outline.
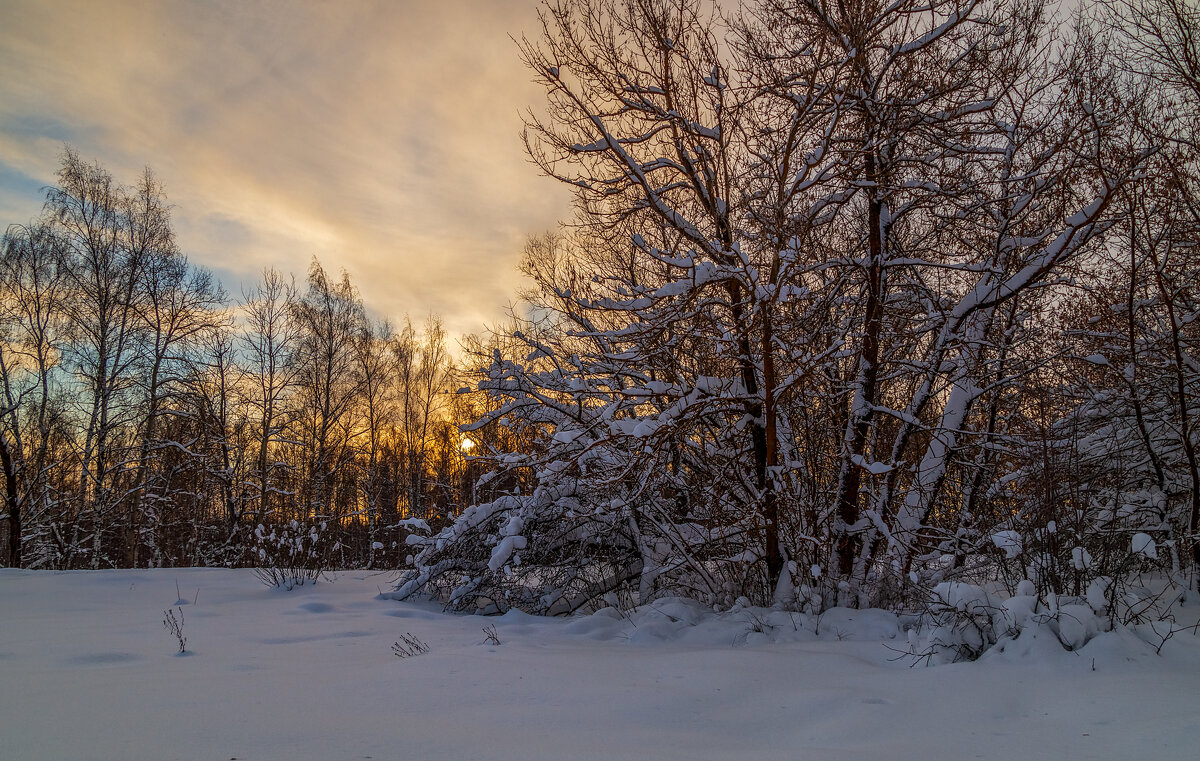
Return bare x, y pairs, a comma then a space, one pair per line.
147, 419
859, 297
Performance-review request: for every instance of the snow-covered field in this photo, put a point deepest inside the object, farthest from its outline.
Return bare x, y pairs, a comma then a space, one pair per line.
87, 671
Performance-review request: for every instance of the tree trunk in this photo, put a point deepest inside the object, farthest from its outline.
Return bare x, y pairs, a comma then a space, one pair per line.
859, 425
13, 503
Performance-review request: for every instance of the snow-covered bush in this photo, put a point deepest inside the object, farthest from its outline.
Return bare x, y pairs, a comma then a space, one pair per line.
619, 498
543, 553
572, 544
291, 554
963, 621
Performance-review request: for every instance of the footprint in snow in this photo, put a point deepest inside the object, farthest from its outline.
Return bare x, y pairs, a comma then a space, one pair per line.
317, 607
101, 659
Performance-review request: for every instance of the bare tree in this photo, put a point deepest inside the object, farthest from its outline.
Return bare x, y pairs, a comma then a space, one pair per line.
421, 365
268, 343
1160, 44
106, 277
329, 315
177, 304
377, 372
32, 287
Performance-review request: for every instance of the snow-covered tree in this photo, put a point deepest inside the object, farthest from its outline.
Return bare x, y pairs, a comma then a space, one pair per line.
774, 351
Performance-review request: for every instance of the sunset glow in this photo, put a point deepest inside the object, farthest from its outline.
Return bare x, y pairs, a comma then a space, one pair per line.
382, 137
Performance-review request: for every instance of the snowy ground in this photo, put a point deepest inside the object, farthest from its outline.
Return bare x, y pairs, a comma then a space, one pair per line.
88, 672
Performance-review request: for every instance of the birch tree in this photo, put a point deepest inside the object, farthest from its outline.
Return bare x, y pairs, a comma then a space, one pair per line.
32, 290
268, 343
329, 316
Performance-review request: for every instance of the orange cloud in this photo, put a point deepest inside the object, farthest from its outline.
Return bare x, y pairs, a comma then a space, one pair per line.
380, 136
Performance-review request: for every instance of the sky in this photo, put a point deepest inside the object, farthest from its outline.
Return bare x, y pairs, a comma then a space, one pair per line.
381, 136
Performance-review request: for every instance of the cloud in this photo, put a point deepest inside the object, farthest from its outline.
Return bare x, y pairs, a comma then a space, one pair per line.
382, 137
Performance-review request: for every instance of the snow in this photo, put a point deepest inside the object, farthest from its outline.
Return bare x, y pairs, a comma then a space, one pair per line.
1142, 544
88, 671
567, 437
1097, 593
1081, 559
874, 468
414, 524
1009, 541
504, 550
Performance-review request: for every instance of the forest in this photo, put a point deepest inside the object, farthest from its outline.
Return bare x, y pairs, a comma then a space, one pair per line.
151, 420
859, 300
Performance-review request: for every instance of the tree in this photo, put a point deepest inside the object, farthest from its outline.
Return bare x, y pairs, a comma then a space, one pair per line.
787, 312
329, 316
178, 305
372, 344
32, 289
1136, 407
268, 342
106, 266
421, 375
